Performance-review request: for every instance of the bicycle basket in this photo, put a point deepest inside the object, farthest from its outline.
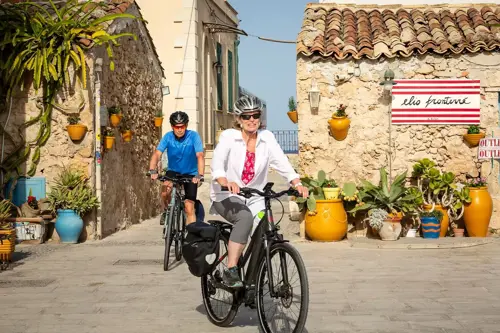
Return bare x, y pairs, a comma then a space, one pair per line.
201, 248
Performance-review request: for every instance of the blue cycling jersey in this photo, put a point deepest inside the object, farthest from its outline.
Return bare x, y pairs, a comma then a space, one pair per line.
181, 153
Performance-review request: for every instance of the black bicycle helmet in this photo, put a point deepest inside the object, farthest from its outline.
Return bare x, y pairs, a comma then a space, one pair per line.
179, 117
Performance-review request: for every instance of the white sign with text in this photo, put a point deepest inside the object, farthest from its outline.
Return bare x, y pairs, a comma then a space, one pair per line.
489, 148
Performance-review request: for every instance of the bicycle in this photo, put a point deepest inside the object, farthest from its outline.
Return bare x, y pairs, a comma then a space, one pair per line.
175, 221
265, 244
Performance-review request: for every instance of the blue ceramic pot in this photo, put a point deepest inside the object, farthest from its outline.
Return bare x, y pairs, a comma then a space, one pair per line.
69, 225
430, 227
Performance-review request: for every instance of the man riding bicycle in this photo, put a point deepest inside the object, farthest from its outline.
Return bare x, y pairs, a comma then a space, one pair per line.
185, 159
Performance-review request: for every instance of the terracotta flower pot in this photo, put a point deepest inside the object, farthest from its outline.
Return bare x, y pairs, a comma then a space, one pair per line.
76, 132
473, 139
115, 119
158, 121
477, 213
293, 115
330, 222
127, 135
458, 232
339, 126
391, 229
109, 141
445, 222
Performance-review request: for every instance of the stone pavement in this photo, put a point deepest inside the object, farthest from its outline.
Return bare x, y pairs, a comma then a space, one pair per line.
118, 285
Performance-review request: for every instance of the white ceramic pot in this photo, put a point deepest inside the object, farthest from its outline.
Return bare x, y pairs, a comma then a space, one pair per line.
390, 231
411, 233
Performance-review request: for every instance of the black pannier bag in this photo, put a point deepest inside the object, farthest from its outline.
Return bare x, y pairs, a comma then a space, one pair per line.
201, 248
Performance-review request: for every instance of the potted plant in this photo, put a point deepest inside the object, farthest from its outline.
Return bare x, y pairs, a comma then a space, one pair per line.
457, 232
30, 208
431, 223
440, 192
126, 131
339, 124
158, 118
71, 197
477, 212
109, 138
292, 110
395, 198
76, 131
115, 115
7, 233
325, 220
474, 135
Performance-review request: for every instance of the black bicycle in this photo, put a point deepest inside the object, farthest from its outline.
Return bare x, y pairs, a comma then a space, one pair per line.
175, 221
259, 281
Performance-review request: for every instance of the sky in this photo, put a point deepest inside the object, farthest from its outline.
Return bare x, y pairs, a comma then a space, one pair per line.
267, 69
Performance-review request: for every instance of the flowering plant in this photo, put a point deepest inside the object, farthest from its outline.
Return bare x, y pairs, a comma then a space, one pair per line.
341, 111
32, 202
477, 182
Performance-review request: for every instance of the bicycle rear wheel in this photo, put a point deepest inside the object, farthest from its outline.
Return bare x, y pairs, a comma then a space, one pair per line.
221, 305
285, 279
171, 226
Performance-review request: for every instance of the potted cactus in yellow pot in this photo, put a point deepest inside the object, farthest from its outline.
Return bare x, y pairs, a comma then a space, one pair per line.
115, 115
76, 131
339, 124
292, 113
473, 136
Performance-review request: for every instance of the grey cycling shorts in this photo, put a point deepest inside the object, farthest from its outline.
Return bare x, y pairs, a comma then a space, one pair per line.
235, 211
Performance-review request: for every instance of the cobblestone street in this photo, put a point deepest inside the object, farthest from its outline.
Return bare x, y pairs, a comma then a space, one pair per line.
118, 285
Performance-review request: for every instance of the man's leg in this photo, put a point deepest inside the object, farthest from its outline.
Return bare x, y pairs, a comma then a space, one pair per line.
191, 191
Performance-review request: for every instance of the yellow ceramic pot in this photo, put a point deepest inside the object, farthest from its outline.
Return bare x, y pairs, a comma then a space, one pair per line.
127, 135
7, 246
329, 224
473, 139
158, 121
76, 132
339, 126
109, 141
115, 119
331, 192
445, 222
293, 115
477, 213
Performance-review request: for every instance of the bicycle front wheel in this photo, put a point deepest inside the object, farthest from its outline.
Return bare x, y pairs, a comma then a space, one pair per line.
286, 311
170, 226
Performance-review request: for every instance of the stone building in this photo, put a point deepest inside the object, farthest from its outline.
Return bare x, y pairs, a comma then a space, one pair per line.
117, 175
346, 49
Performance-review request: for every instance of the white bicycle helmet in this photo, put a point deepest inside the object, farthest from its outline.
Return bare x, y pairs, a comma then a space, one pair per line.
247, 104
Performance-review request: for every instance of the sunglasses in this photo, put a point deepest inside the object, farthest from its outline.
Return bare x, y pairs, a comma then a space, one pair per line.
180, 127
248, 116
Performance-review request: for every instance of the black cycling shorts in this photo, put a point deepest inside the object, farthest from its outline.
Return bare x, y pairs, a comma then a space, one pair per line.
190, 189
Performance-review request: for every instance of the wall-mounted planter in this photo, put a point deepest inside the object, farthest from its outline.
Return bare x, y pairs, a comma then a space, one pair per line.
473, 139
127, 136
76, 132
158, 121
115, 119
109, 141
293, 115
339, 127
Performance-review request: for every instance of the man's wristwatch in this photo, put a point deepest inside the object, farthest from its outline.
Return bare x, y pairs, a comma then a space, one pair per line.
201, 178
153, 172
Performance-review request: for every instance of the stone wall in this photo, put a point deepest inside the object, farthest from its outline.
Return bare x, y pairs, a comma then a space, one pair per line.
364, 150
128, 196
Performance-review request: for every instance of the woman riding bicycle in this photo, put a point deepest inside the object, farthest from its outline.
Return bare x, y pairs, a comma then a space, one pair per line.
242, 159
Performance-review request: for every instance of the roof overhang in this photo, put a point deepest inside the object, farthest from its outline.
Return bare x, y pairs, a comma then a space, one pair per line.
223, 28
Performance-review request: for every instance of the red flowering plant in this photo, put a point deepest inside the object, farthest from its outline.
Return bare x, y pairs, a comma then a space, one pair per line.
32, 202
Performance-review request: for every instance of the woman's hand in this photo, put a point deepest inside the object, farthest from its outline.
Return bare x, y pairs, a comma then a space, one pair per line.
233, 187
303, 191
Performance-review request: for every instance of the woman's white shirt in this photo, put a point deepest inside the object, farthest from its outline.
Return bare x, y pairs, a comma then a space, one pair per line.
229, 159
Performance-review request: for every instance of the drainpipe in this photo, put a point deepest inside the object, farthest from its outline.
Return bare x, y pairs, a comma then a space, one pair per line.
97, 144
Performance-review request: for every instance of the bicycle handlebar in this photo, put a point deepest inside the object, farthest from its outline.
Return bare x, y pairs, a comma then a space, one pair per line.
248, 192
177, 180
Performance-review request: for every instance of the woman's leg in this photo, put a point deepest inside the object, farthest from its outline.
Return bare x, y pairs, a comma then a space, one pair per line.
236, 212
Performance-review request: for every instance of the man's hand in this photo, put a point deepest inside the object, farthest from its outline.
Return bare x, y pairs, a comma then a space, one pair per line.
153, 174
198, 180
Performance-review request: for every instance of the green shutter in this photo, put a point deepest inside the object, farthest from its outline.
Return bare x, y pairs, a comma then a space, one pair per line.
237, 66
230, 88
220, 97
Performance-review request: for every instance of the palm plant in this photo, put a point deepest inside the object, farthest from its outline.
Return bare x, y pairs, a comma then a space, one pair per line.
45, 41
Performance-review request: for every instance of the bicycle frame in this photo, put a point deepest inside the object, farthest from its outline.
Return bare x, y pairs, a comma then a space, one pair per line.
265, 235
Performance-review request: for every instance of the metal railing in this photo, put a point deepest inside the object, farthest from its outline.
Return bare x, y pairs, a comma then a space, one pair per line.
288, 140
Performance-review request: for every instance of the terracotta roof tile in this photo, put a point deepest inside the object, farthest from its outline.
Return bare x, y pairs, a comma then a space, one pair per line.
346, 31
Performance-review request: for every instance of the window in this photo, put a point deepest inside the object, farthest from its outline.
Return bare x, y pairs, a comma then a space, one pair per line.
220, 96
230, 86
